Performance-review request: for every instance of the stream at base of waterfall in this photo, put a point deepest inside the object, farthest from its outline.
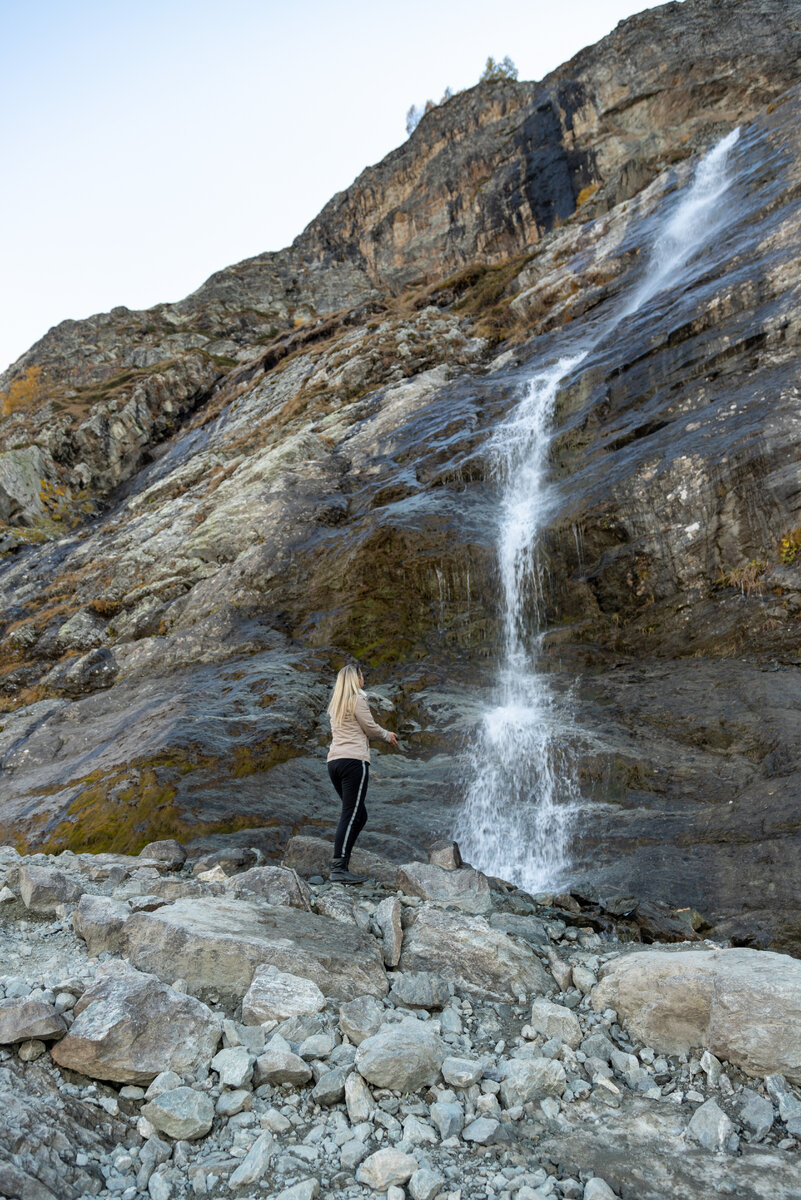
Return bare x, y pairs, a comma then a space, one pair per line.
521, 792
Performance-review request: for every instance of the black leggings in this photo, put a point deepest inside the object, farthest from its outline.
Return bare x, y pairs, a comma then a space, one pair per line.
350, 777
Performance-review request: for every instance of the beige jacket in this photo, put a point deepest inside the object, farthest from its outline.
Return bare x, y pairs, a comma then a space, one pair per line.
351, 738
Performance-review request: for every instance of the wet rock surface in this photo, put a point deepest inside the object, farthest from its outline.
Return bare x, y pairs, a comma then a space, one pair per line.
433, 1087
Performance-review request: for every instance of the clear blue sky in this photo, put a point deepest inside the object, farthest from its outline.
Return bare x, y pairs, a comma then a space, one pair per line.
146, 144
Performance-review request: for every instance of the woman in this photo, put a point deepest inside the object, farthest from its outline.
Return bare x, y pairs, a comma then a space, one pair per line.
352, 726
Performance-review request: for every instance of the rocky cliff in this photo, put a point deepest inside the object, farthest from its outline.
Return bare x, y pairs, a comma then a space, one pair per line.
207, 505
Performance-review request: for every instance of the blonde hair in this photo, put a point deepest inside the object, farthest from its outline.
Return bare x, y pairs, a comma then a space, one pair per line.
346, 691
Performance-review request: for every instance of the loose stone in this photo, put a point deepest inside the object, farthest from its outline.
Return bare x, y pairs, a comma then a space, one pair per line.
182, 1113
386, 1167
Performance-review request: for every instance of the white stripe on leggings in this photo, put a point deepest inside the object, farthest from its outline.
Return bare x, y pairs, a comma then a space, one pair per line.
353, 814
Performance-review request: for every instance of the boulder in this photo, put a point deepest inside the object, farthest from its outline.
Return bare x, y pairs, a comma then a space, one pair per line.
464, 888
26, 1018
448, 1116
231, 860
462, 1072
556, 1021
42, 889
276, 995
358, 1099
99, 921
279, 1064
710, 1127
742, 1005
385, 1168
168, 853
419, 989
330, 1087
352, 1153
484, 1131
129, 1027
276, 885
182, 1113
402, 1057
234, 1065
312, 856
530, 929
218, 942
388, 919
307, 1189
361, 1018
468, 952
528, 1079
598, 1189
444, 853
425, 1184
336, 905
255, 1162
756, 1113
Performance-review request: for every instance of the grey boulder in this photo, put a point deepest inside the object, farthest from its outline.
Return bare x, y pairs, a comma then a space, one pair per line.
276, 995
42, 889
312, 856
255, 1162
385, 1168
402, 1057
99, 921
24, 1019
528, 1079
218, 942
181, 1113
361, 1018
279, 1064
710, 1127
275, 885
388, 919
468, 952
742, 1005
129, 1027
167, 853
556, 1021
419, 989
464, 888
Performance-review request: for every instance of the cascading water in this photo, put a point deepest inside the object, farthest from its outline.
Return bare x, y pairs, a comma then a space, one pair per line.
522, 794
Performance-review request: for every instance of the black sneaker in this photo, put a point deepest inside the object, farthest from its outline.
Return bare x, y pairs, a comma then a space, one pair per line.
341, 874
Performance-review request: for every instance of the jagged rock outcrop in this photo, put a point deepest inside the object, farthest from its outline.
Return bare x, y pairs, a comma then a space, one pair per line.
296, 463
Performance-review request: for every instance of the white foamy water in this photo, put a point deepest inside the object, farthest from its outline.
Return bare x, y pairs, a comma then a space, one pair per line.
522, 794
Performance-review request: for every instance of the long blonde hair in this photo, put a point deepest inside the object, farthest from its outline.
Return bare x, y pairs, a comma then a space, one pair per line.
346, 690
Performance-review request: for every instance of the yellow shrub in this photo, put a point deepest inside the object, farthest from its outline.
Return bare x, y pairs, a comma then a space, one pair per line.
25, 392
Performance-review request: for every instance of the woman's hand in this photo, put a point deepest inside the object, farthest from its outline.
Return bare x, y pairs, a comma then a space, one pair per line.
393, 740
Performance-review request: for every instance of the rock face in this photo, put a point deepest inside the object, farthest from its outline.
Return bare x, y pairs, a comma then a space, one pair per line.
218, 944
129, 1027
296, 464
743, 1005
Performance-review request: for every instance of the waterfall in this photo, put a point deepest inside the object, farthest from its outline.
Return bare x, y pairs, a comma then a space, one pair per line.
522, 794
